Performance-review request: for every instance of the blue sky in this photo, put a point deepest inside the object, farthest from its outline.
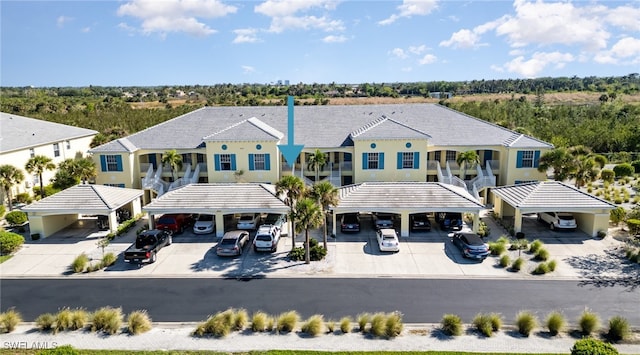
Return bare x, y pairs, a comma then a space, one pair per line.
206, 42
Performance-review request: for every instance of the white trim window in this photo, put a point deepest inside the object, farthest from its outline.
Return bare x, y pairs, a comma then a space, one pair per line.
527, 159
407, 160
56, 149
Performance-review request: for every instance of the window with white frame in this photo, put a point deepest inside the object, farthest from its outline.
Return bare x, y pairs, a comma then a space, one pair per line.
225, 161
32, 152
200, 158
258, 162
68, 145
527, 159
186, 158
112, 162
407, 160
451, 155
373, 160
56, 149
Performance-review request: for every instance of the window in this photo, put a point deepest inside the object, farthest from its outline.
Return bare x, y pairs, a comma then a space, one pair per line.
437, 155
372, 161
224, 162
115, 185
186, 158
200, 158
56, 149
111, 162
408, 160
451, 155
528, 159
259, 162
68, 145
32, 152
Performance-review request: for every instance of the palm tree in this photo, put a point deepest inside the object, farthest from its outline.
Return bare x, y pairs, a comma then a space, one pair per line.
316, 162
37, 165
86, 169
9, 176
174, 160
308, 215
467, 159
560, 160
293, 188
586, 170
326, 195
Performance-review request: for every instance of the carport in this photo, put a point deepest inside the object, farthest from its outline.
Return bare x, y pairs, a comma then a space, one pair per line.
219, 200
590, 212
406, 198
60, 210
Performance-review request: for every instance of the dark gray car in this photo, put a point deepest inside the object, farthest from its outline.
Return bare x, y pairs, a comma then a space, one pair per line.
471, 245
232, 243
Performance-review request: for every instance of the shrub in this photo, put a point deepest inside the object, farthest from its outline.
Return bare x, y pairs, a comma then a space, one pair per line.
241, 319
624, 169
636, 165
482, 322
451, 324
519, 244
517, 264
270, 323
138, 322
107, 319
394, 325
618, 328
94, 267
64, 319
345, 324
80, 263
79, 318
109, 259
10, 242
331, 326
363, 320
287, 321
259, 321
535, 246
317, 253
497, 248
214, 325
483, 230
2, 210
588, 322
496, 321
9, 320
505, 260
526, 322
541, 269
60, 350
45, 321
555, 322
378, 321
607, 175
590, 346
15, 218
297, 254
314, 326
552, 265
541, 254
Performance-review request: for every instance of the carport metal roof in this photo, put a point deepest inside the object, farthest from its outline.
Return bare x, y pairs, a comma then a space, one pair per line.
84, 199
226, 198
550, 196
413, 197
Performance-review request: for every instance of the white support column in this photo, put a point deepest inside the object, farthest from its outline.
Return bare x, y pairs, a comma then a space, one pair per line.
136, 207
219, 224
517, 221
476, 222
404, 224
113, 222
152, 221
333, 223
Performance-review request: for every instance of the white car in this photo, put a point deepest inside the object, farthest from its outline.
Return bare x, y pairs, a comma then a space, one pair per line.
248, 221
558, 220
204, 224
388, 240
267, 238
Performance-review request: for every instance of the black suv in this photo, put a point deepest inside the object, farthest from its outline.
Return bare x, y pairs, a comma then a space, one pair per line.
449, 220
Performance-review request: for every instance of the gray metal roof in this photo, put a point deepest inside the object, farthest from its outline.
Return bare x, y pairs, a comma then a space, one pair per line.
19, 132
549, 196
412, 196
213, 197
251, 129
329, 126
84, 199
385, 128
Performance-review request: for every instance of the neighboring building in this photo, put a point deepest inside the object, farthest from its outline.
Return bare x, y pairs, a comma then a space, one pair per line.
22, 138
362, 143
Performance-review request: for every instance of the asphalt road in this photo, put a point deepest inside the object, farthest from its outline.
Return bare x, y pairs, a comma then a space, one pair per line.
420, 300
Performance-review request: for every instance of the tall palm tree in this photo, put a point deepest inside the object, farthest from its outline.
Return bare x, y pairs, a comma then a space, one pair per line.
293, 189
326, 195
86, 169
9, 176
308, 215
37, 165
174, 160
586, 170
316, 161
467, 159
560, 160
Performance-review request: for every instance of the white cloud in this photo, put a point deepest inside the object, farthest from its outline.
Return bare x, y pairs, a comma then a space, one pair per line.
293, 14
85, 30
411, 8
399, 52
418, 49
175, 15
334, 39
625, 17
281, 24
539, 61
247, 69
462, 39
406, 69
428, 59
246, 35
282, 8
625, 51
62, 20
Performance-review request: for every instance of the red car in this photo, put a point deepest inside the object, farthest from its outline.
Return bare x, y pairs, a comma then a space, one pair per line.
174, 222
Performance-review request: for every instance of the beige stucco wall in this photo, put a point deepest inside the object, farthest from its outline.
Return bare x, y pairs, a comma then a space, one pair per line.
242, 151
47, 225
126, 176
390, 148
592, 223
511, 173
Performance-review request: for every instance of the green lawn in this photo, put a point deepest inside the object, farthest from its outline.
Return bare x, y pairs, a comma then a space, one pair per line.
4, 258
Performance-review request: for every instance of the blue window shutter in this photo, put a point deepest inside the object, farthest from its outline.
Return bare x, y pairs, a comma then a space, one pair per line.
103, 163
267, 162
381, 162
519, 160
416, 160
118, 163
536, 158
251, 165
365, 161
216, 159
233, 162
399, 163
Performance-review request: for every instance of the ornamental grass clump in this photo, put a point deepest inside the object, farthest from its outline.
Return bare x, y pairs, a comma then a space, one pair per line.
107, 320
9, 320
618, 328
517, 264
541, 254
80, 263
535, 245
241, 319
377, 327
526, 322
496, 321
589, 322
45, 321
138, 322
108, 259
287, 321
218, 325
541, 269
314, 325
259, 321
497, 248
330, 325
482, 323
363, 320
394, 324
63, 320
555, 322
505, 260
451, 324
345, 325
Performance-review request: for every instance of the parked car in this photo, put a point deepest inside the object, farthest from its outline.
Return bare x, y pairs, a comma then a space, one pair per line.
147, 246
383, 220
248, 221
558, 220
232, 243
204, 224
175, 223
276, 219
471, 245
267, 238
449, 220
388, 240
350, 222
420, 222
